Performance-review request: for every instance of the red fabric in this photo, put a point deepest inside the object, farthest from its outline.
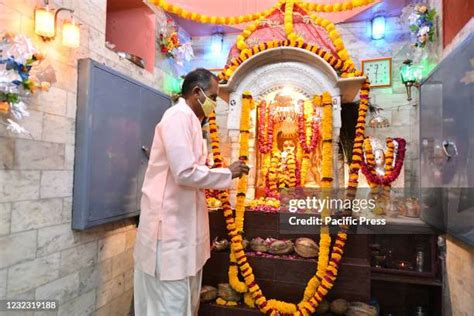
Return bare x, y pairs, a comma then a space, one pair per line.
311, 33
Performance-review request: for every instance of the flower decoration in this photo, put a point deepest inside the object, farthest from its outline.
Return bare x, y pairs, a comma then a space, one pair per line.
171, 46
392, 170
241, 276
168, 43
265, 204
308, 137
421, 22
19, 77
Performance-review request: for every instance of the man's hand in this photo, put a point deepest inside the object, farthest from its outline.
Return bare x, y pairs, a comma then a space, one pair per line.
238, 169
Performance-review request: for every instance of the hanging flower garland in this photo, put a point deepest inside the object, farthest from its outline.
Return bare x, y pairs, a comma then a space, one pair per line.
335, 7
20, 77
370, 160
310, 135
272, 174
389, 163
265, 128
326, 282
247, 106
346, 67
238, 257
232, 20
304, 133
203, 18
334, 36
328, 278
391, 172
291, 166
288, 24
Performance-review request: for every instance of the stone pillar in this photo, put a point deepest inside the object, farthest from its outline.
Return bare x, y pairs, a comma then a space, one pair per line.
336, 124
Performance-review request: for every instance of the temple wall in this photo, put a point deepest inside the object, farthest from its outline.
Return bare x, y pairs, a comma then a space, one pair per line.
41, 257
402, 115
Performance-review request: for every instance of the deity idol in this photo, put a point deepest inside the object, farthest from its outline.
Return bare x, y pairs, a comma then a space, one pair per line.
287, 165
377, 192
285, 161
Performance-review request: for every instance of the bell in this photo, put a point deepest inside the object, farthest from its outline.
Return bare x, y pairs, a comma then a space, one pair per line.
378, 121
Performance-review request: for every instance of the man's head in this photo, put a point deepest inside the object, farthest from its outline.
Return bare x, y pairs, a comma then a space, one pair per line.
199, 85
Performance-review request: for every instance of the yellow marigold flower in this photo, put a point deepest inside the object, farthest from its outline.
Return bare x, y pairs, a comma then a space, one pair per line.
347, 6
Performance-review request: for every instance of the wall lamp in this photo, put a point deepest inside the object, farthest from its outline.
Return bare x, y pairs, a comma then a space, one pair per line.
217, 43
410, 75
45, 25
378, 27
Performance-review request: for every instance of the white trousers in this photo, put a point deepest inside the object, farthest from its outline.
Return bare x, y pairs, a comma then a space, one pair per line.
153, 297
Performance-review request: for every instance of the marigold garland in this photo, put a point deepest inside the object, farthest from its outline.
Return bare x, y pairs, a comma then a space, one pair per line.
334, 36
307, 134
370, 158
288, 23
346, 67
391, 172
203, 18
389, 162
335, 7
327, 281
265, 128
322, 286
231, 20
291, 165
272, 173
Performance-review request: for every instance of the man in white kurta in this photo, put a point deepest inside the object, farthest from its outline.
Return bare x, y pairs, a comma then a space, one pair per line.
172, 243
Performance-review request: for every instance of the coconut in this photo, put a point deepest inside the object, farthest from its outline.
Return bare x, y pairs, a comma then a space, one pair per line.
279, 247
245, 243
323, 308
208, 293
361, 309
339, 306
306, 247
258, 245
226, 292
219, 244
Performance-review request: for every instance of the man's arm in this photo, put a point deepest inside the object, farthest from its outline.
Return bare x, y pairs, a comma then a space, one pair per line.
176, 134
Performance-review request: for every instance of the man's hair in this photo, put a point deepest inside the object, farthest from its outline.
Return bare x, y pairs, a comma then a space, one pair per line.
199, 77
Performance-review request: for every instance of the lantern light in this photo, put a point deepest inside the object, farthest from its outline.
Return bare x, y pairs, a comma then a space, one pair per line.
71, 34
217, 43
378, 27
45, 22
410, 75
45, 25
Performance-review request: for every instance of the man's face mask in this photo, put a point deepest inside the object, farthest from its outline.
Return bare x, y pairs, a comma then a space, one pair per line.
208, 106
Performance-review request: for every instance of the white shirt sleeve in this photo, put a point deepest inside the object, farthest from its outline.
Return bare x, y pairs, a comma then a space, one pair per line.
177, 137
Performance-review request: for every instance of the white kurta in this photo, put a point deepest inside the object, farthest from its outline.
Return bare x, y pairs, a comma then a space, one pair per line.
173, 210
173, 204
